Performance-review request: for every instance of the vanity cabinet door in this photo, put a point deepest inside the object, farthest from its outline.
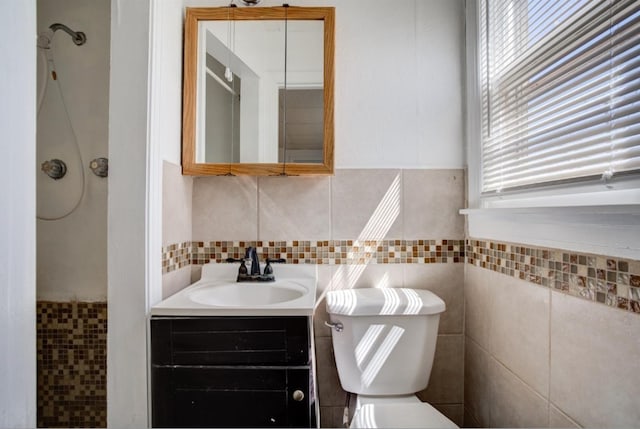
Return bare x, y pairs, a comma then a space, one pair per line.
231, 397
231, 372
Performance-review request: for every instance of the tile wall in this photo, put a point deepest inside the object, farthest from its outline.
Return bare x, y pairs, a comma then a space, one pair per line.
72, 364
531, 337
550, 338
328, 252
611, 281
177, 214
364, 228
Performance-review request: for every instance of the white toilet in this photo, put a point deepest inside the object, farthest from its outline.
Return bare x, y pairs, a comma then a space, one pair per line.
384, 341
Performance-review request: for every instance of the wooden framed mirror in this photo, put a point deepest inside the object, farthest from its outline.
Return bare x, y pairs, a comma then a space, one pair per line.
258, 91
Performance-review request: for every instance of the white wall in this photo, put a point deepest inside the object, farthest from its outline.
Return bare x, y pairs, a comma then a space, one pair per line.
129, 255
72, 252
169, 71
399, 80
17, 217
398, 84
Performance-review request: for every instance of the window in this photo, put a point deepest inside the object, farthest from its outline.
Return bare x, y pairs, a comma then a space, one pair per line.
560, 90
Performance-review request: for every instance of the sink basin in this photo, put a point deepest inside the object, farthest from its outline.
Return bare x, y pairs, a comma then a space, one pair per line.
247, 294
293, 293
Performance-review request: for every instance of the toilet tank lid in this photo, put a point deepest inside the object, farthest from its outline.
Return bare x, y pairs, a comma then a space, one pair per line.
383, 302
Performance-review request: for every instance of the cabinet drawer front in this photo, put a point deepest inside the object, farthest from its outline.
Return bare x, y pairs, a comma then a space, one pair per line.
230, 397
230, 340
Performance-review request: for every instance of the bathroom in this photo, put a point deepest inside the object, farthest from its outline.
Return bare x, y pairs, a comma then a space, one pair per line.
565, 363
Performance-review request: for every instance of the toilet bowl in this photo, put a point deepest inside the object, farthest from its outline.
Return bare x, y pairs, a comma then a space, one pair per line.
408, 415
384, 342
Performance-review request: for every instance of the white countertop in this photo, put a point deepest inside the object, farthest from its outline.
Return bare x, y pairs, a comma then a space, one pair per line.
185, 302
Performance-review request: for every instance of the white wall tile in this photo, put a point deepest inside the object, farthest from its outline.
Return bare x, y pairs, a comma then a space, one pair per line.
366, 276
331, 417
519, 313
294, 208
175, 281
320, 316
325, 274
558, 419
510, 319
177, 205
513, 403
446, 281
432, 199
367, 204
329, 389
477, 383
595, 370
477, 297
468, 420
453, 412
225, 208
446, 382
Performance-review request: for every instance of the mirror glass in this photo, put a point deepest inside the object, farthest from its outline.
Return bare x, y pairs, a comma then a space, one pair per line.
256, 91
243, 113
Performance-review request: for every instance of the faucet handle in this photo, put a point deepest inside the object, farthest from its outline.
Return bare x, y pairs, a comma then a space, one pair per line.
243, 270
268, 269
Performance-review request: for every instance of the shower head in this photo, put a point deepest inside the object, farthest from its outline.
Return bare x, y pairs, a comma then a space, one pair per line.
78, 37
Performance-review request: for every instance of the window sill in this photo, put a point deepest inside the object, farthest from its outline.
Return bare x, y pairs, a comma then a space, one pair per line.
586, 215
612, 230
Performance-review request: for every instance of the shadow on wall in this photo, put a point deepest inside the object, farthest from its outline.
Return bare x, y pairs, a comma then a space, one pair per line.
371, 236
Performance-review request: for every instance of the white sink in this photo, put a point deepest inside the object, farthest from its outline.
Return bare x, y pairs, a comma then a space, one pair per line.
218, 294
247, 294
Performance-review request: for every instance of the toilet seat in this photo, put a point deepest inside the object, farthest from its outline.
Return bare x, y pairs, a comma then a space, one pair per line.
413, 415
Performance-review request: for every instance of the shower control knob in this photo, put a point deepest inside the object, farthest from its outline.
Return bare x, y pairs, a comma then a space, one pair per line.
54, 168
100, 167
298, 395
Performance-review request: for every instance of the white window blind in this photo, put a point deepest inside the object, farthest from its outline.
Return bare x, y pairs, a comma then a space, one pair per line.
560, 85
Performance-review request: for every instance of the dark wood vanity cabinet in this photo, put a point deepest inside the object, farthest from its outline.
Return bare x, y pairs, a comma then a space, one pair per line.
231, 372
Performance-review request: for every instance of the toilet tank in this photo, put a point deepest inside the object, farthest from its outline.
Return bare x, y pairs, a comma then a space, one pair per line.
386, 338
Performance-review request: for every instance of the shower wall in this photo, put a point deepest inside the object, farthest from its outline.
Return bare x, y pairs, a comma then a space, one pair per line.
72, 252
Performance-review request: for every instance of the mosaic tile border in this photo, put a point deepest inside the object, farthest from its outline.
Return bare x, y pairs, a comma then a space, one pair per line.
71, 364
327, 252
176, 256
611, 281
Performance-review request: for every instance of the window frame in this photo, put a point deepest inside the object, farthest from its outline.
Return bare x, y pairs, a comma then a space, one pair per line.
622, 189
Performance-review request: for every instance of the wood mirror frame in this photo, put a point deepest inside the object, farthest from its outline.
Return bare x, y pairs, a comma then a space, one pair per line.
192, 18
